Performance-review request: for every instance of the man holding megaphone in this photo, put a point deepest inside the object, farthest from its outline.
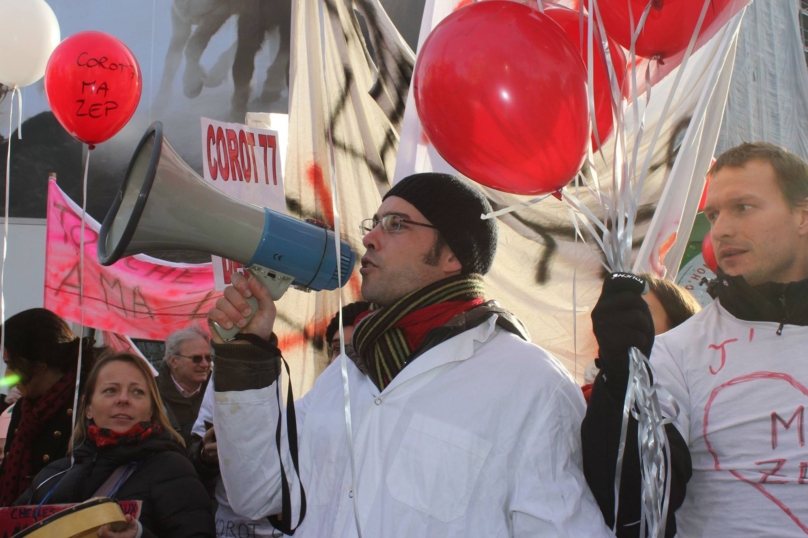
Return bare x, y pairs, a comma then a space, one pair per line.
460, 426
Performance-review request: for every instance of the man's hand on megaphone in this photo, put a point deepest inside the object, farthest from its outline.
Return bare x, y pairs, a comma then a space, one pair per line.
232, 308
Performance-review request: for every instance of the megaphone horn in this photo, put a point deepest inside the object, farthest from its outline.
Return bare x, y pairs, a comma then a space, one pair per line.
163, 204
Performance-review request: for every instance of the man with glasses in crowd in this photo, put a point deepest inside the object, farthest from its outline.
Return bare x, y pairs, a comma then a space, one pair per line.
183, 377
460, 426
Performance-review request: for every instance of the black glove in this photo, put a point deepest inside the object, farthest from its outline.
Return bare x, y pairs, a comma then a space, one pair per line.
621, 320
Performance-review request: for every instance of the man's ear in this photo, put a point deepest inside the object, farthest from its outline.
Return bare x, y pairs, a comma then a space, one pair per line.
449, 262
802, 211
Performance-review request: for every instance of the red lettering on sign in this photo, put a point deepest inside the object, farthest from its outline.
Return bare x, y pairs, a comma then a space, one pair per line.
211, 143
232, 149
221, 154
251, 142
269, 142
244, 156
229, 267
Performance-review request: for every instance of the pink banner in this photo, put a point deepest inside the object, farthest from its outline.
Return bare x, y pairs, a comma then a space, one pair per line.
139, 296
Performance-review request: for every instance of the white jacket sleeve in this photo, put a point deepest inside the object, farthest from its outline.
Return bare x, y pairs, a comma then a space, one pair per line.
550, 497
246, 423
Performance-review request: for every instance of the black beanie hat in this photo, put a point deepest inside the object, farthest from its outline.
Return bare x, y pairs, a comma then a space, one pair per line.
454, 208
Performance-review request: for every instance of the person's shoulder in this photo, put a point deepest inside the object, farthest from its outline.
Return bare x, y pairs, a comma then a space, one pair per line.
169, 465
691, 327
514, 356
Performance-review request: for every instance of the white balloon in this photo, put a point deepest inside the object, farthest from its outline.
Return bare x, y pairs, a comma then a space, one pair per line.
29, 32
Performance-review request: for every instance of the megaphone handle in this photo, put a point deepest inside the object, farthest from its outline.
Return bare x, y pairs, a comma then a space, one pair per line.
276, 283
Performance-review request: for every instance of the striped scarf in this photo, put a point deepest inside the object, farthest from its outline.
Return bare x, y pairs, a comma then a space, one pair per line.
387, 338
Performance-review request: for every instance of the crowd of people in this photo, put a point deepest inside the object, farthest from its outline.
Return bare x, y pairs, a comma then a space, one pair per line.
459, 426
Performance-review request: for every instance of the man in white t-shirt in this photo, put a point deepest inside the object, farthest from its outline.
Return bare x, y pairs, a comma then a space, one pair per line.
737, 371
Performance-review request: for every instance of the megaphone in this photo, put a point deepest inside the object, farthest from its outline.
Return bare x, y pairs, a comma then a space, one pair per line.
163, 204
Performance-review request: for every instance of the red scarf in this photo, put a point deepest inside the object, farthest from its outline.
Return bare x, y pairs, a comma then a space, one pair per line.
18, 466
134, 435
418, 324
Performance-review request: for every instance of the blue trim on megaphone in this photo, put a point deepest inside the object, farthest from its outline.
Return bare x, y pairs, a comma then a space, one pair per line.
303, 251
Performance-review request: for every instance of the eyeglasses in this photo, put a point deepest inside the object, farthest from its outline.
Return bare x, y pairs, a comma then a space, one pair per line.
390, 224
197, 358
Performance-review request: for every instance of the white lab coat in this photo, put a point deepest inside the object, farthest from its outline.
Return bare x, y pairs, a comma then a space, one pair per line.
228, 523
478, 437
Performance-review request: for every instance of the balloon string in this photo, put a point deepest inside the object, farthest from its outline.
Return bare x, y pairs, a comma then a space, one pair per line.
346, 385
583, 240
14, 91
18, 91
590, 80
575, 286
81, 295
515, 207
680, 73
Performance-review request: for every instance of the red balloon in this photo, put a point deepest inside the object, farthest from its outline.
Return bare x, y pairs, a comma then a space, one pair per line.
708, 253
668, 28
570, 22
93, 85
501, 94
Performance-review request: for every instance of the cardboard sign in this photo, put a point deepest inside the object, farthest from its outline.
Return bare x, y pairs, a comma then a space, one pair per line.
17, 518
246, 163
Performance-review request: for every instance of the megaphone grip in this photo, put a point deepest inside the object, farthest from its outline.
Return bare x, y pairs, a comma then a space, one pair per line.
228, 334
276, 283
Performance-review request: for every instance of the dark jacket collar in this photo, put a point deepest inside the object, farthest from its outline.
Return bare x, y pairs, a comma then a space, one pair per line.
786, 304
162, 442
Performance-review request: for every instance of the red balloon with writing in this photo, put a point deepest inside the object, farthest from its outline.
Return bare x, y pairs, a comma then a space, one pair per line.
93, 85
501, 94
